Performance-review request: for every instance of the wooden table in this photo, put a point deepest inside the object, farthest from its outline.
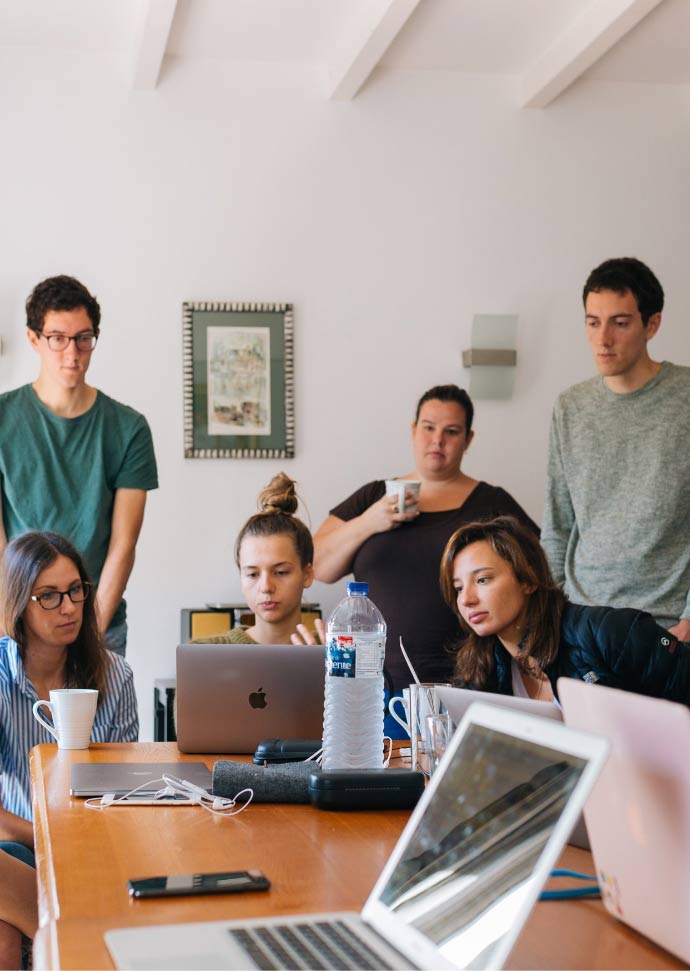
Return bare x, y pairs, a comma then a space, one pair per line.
315, 860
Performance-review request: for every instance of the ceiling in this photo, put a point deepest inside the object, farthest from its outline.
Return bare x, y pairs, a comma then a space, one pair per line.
544, 45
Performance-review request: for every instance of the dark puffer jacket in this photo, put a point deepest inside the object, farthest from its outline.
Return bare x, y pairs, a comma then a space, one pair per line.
621, 648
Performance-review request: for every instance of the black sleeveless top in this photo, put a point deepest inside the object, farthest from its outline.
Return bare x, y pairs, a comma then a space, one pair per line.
402, 569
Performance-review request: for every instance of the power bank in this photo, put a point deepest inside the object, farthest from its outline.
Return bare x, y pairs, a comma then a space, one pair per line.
365, 788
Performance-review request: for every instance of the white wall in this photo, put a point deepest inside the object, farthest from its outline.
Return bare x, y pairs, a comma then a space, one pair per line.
388, 222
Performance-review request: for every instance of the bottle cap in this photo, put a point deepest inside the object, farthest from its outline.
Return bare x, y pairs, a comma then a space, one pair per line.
357, 589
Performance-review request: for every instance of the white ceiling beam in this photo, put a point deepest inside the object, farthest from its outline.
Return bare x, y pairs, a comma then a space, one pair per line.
378, 25
594, 32
155, 29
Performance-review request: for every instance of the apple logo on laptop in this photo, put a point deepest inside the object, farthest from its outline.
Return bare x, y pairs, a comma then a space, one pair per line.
257, 699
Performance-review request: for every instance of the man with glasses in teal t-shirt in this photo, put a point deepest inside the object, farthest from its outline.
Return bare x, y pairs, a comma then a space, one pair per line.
73, 460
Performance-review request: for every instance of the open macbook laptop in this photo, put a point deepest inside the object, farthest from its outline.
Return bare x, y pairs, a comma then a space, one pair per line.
460, 882
231, 696
638, 813
89, 779
458, 700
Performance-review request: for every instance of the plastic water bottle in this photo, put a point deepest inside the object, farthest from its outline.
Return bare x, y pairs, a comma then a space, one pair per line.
353, 703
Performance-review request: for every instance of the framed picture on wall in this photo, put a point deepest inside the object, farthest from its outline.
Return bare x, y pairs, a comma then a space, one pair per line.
238, 380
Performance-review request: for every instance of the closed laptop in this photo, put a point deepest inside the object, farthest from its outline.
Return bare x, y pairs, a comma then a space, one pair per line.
89, 779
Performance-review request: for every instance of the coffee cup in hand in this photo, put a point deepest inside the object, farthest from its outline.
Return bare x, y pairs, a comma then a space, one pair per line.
406, 492
73, 711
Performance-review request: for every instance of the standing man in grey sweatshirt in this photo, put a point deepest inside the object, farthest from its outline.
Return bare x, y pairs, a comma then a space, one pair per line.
616, 524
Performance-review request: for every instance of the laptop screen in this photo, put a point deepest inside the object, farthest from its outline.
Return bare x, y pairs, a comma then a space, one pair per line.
470, 862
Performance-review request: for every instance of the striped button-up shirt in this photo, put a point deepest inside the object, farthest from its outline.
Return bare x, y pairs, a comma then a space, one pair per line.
116, 720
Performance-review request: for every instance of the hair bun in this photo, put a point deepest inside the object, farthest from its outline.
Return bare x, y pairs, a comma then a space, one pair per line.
279, 496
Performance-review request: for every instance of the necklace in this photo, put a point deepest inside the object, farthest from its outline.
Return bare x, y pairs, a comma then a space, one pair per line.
543, 685
532, 674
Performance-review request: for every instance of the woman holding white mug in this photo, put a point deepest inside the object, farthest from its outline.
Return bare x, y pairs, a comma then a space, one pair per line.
398, 550
51, 642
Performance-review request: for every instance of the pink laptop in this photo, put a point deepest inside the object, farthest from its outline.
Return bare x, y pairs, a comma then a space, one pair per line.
638, 814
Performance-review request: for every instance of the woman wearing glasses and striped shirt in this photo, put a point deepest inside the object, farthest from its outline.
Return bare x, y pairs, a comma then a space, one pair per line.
51, 641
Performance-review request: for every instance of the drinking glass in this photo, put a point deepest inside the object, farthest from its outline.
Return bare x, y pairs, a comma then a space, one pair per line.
438, 732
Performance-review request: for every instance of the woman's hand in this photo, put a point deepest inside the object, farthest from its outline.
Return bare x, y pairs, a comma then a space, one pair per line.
383, 514
305, 636
336, 541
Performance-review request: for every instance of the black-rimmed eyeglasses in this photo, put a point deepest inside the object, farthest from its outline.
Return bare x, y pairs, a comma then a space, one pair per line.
60, 342
51, 599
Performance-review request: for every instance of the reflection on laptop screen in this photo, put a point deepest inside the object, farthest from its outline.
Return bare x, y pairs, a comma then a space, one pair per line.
470, 862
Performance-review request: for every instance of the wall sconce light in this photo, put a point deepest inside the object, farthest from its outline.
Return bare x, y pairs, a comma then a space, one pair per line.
492, 357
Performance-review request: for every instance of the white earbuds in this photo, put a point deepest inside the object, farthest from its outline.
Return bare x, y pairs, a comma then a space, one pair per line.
164, 793
218, 805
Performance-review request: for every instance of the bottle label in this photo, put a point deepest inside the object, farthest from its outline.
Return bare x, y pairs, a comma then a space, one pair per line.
341, 657
345, 658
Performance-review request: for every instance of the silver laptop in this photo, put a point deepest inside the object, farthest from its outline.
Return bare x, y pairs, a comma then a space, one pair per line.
638, 813
460, 882
231, 696
89, 779
458, 700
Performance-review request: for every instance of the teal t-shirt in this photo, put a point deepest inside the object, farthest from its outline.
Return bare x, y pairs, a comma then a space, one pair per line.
61, 474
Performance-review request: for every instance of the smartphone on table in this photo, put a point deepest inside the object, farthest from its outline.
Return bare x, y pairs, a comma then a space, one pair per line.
183, 884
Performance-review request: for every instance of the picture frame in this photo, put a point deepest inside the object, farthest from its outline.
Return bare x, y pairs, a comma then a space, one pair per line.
238, 361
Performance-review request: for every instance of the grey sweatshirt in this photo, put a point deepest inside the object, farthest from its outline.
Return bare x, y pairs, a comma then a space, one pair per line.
616, 523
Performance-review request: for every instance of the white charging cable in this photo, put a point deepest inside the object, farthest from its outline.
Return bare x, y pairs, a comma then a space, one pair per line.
171, 786
110, 799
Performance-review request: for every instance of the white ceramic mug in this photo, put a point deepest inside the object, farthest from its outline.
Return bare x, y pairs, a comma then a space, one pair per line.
73, 711
404, 700
406, 492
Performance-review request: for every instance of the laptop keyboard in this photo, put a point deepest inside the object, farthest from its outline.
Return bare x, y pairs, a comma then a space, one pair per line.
308, 947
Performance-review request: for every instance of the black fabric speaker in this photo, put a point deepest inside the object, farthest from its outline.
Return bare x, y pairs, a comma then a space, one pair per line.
271, 783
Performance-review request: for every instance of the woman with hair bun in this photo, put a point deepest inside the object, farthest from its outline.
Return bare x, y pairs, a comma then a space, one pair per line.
274, 553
